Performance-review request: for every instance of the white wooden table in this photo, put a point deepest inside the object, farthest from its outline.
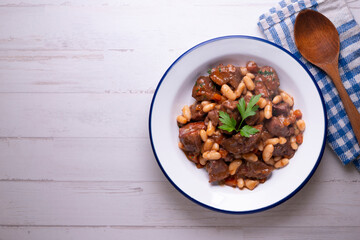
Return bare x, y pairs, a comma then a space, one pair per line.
76, 81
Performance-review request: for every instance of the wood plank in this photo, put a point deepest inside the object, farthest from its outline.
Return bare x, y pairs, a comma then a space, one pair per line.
110, 55
165, 233
74, 115
78, 159
118, 19
109, 159
97, 71
159, 204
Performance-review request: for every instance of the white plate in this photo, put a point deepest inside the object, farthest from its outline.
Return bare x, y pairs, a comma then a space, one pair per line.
174, 91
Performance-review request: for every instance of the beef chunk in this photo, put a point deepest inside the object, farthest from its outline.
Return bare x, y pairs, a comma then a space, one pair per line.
260, 88
276, 127
217, 137
197, 114
238, 144
226, 156
229, 157
265, 135
230, 108
267, 82
252, 67
190, 137
231, 105
283, 150
204, 89
213, 116
217, 169
281, 109
258, 170
226, 74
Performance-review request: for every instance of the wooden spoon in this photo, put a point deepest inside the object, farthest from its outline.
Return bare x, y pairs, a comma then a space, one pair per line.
318, 41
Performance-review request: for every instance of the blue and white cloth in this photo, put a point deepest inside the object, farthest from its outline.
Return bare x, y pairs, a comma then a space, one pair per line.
278, 27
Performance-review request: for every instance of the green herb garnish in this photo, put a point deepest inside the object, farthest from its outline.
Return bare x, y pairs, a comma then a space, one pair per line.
247, 130
209, 71
265, 73
219, 69
229, 124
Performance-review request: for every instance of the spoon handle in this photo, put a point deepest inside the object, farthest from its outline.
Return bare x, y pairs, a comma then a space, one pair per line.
353, 114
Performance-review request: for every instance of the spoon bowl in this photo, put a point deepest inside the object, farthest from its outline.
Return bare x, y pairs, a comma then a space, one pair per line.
310, 27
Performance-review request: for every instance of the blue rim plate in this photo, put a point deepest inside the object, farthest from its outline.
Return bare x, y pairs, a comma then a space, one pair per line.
191, 78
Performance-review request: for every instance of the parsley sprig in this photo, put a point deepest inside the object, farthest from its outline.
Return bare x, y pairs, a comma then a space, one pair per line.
229, 123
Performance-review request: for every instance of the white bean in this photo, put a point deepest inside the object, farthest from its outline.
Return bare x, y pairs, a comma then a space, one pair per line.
262, 102
202, 160
186, 113
251, 157
204, 103
271, 161
207, 145
251, 184
272, 141
286, 98
210, 129
215, 147
209, 107
227, 92
268, 151
250, 75
268, 111
233, 166
301, 125
249, 94
249, 83
211, 155
261, 146
277, 99
181, 119
240, 183
294, 145
243, 71
240, 89
282, 163
282, 140
203, 135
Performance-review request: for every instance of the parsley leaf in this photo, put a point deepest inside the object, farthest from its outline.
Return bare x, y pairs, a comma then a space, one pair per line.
250, 109
247, 130
209, 71
241, 106
229, 123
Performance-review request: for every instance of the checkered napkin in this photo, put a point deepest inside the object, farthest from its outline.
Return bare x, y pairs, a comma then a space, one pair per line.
278, 27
